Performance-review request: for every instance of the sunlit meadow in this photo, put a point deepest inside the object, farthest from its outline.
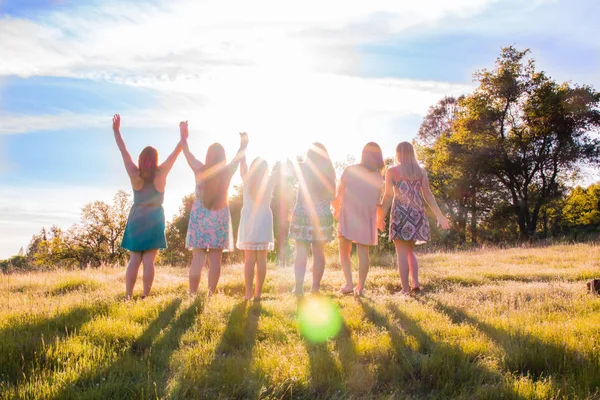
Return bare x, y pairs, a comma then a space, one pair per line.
512, 323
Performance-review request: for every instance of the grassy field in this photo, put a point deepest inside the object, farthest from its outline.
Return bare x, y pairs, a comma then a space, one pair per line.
508, 324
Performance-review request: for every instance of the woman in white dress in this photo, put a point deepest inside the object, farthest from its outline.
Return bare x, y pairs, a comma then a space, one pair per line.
255, 234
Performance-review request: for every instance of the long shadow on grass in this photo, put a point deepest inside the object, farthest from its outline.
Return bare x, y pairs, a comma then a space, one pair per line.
22, 344
143, 369
531, 356
433, 367
357, 376
229, 373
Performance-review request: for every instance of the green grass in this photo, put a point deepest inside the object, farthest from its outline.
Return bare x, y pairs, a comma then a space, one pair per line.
513, 324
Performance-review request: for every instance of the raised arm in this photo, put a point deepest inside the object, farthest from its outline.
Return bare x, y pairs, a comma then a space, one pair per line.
243, 167
130, 167
386, 202
241, 153
195, 164
430, 200
166, 166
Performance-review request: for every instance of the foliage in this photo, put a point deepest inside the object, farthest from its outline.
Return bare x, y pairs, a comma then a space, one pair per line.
176, 253
509, 148
96, 240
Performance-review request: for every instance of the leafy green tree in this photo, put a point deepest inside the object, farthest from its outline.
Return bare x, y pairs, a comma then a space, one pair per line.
448, 156
176, 253
582, 207
529, 133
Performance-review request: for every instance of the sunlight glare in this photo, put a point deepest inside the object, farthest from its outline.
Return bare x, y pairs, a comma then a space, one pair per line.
319, 319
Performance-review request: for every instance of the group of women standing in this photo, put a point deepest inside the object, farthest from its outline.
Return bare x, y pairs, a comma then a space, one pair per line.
360, 204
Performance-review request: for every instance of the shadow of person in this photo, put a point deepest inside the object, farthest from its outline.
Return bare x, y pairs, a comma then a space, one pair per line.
143, 368
21, 343
229, 374
433, 366
531, 356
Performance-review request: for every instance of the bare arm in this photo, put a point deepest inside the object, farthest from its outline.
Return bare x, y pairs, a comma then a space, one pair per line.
166, 166
430, 200
130, 167
241, 153
195, 164
336, 203
386, 202
243, 168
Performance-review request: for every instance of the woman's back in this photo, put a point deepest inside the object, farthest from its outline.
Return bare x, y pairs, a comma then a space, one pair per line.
408, 189
362, 191
148, 195
362, 186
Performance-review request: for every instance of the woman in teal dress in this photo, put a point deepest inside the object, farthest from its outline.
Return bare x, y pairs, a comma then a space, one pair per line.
145, 231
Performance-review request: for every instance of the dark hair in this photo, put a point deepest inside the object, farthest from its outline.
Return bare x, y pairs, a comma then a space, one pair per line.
319, 174
216, 183
257, 176
372, 158
148, 163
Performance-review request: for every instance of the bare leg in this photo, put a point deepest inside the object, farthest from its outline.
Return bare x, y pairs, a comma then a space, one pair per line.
148, 258
413, 265
261, 272
300, 265
402, 250
135, 259
214, 269
346, 261
249, 261
318, 265
363, 266
198, 259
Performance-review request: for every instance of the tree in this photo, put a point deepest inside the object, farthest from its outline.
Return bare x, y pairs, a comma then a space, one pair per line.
176, 253
529, 132
448, 156
101, 229
582, 207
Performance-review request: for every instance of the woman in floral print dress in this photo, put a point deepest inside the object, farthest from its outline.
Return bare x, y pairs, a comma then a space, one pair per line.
209, 229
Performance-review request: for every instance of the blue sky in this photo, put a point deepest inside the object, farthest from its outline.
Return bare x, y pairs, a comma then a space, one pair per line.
343, 73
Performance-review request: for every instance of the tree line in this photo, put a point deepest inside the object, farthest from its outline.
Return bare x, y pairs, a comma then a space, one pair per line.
500, 161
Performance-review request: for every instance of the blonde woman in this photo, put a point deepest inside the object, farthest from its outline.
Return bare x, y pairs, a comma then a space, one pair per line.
407, 190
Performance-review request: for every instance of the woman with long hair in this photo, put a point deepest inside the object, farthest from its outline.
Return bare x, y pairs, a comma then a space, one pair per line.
312, 220
255, 233
406, 190
358, 196
145, 231
209, 229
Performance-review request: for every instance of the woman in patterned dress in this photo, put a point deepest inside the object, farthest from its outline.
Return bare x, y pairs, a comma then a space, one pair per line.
209, 229
144, 233
312, 220
407, 183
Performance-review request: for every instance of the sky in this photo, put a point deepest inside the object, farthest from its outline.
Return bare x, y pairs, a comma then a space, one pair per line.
289, 73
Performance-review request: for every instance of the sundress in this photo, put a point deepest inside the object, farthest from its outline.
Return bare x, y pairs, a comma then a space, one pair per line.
256, 223
358, 213
145, 229
307, 226
208, 229
408, 220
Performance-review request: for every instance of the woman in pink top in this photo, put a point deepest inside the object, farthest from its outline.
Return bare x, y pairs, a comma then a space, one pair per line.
355, 207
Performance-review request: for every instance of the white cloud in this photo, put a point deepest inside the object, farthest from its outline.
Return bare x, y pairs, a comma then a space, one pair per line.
24, 211
182, 37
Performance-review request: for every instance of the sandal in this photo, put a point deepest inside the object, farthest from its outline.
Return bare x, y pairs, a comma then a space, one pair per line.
415, 291
346, 290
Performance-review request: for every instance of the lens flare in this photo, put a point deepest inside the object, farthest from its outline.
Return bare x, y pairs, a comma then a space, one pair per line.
319, 319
